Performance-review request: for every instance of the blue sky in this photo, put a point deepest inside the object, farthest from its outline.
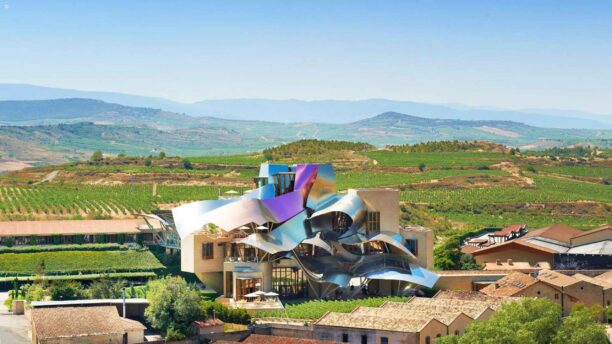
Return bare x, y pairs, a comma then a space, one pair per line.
513, 54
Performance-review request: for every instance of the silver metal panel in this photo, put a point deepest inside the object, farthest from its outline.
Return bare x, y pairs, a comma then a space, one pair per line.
284, 238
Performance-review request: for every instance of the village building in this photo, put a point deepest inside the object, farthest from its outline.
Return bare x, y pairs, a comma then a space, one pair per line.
418, 321
73, 232
75, 325
508, 233
561, 246
562, 289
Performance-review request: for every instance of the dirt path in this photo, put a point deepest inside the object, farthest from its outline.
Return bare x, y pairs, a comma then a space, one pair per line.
14, 329
515, 171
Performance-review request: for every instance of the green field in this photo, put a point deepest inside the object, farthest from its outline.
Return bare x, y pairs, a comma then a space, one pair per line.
579, 171
360, 179
64, 199
502, 219
436, 159
547, 189
252, 159
135, 169
71, 262
315, 309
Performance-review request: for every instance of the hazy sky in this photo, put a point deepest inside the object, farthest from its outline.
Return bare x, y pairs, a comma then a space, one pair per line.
515, 54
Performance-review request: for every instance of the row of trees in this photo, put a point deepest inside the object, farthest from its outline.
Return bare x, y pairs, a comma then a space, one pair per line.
313, 147
97, 157
568, 152
535, 321
452, 146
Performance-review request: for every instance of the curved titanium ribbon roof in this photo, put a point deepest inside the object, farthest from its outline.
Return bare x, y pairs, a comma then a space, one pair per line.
313, 191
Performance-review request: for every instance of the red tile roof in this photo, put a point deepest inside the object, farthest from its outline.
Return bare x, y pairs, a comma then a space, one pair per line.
509, 285
510, 229
598, 229
517, 242
61, 322
69, 227
208, 323
558, 232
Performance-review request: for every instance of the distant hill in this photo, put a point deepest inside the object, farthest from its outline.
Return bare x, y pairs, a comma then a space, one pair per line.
53, 131
323, 111
70, 110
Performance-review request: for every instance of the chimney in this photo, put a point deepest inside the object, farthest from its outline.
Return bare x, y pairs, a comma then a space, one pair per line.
498, 261
509, 261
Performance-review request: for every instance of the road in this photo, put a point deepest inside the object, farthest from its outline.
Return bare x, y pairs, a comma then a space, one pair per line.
13, 328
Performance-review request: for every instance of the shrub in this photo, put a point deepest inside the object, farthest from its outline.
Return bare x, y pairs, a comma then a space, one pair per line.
421, 167
96, 157
187, 164
228, 315
63, 290
174, 334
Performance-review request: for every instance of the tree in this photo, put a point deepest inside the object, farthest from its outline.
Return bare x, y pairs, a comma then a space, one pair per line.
421, 167
96, 157
162, 154
530, 321
268, 156
148, 162
105, 288
187, 164
172, 304
581, 327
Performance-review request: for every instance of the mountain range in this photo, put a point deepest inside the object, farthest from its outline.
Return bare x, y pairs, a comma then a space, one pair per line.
56, 130
322, 111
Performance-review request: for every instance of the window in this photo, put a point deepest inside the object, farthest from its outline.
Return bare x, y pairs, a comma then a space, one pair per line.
364, 339
556, 296
373, 221
427, 340
289, 282
412, 246
207, 250
340, 222
384, 340
456, 332
539, 292
345, 338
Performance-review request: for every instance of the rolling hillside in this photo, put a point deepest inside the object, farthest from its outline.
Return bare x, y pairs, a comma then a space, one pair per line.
328, 111
49, 131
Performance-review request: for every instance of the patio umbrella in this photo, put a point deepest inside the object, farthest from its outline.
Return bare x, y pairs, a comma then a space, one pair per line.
252, 294
261, 227
231, 192
271, 293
